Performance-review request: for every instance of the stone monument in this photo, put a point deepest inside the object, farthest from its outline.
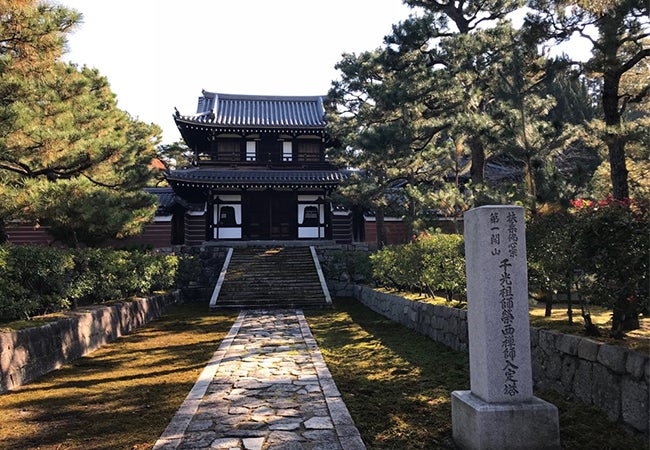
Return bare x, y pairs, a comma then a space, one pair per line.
500, 411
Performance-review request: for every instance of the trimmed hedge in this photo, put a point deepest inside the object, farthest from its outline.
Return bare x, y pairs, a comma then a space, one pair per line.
431, 263
38, 280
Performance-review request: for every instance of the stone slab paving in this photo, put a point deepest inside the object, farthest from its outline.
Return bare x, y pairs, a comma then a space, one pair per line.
266, 388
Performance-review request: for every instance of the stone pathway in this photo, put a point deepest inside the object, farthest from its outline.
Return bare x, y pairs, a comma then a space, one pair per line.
266, 387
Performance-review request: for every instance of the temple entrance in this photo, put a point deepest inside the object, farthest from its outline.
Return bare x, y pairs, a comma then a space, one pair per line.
270, 215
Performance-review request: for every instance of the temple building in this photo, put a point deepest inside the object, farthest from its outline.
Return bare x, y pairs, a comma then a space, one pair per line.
260, 171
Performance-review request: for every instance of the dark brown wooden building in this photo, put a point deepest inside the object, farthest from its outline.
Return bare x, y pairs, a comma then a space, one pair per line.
260, 171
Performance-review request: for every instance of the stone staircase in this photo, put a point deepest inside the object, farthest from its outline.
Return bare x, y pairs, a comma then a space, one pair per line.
284, 277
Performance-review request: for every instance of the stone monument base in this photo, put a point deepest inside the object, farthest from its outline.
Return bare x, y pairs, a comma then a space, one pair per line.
476, 424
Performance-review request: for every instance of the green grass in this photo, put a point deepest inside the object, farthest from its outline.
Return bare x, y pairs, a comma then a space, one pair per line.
601, 317
397, 385
121, 396
395, 382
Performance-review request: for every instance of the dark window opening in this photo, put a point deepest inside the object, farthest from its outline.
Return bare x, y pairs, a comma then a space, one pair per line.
310, 218
309, 151
227, 216
228, 151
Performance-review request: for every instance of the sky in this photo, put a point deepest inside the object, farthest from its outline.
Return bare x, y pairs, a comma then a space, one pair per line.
159, 54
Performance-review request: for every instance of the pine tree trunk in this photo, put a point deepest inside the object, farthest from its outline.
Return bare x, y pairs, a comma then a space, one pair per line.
477, 171
4, 237
615, 142
612, 112
618, 168
381, 227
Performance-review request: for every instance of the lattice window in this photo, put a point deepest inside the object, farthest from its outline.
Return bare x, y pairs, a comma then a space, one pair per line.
228, 151
309, 151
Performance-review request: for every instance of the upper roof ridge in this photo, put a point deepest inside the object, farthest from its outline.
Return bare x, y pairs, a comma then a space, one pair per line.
226, 96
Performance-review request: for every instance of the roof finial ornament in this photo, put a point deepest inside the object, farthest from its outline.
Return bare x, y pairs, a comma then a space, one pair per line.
176, 113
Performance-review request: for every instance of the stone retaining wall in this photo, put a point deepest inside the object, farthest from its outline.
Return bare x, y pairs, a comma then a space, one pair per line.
611, 378
211, 258
30, 353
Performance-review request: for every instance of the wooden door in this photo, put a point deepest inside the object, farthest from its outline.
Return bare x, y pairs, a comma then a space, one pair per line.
270, 215
257, 224
283, 215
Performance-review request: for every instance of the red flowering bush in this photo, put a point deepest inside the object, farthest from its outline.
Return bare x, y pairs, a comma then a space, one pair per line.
608, 241
611, 246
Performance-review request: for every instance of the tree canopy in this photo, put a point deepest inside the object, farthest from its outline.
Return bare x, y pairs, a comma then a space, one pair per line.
456, 85
619, 31
69, 157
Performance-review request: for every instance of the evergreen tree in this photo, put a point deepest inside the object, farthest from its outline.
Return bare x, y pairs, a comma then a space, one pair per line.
176, 155
621, 46
62, 138
460, 25
431, 85
383, 129
568, 173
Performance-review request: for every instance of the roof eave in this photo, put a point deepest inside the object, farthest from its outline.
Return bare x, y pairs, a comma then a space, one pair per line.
183, 121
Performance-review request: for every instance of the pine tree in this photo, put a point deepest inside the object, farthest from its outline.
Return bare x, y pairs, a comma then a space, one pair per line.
62, 137
621, 45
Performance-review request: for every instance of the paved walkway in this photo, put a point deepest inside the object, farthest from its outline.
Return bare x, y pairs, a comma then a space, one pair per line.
266, 387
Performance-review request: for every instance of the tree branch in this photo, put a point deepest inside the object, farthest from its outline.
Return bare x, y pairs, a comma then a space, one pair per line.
634, 60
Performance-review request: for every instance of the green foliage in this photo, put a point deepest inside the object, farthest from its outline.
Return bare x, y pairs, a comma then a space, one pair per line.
549, 242
613, 246
398, 266
66, 150
433, 263
346, 265
175, 156
619, 61
189, 269
443, 264
34, 280
80, 212
15, 301
605, 240
37, 280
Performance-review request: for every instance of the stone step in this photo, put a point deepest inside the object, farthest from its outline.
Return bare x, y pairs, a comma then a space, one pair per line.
271, 277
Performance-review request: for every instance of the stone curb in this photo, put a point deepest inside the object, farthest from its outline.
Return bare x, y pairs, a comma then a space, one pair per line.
173, 434
205, 405
345, 429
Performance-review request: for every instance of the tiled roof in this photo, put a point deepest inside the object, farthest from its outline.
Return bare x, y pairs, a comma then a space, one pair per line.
258, 111
497, 168
243, 178
167, 199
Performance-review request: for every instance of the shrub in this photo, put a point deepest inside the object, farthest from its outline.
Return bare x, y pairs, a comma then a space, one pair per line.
188, 269
386, 267
101, 275
432, 262
549, 240
346, 265
608, 242
612, 246
37, 280
443, 264
14, 299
